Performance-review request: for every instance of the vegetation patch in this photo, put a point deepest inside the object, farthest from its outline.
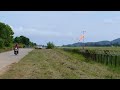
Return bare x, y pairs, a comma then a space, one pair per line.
58, 64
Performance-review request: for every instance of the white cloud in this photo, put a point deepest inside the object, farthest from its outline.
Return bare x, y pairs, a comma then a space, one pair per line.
11, 26
112, 20
108, 21
46, 35
85, 12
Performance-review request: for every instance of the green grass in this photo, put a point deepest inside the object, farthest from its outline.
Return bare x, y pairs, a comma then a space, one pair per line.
5, 49
58, 64
96, 48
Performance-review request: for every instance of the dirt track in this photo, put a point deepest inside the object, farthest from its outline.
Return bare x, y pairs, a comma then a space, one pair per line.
8, 58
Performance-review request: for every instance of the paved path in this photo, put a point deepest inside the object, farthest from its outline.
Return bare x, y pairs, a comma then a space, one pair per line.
8, 58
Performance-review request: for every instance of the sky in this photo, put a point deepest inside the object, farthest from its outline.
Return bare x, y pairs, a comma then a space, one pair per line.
63, 27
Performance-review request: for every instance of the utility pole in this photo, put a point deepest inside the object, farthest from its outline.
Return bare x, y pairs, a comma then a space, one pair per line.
83, 38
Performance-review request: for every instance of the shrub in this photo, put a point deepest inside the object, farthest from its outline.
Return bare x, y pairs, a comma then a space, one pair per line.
1, 43
50, 45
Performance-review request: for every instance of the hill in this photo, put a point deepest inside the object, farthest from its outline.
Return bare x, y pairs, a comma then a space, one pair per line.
115, 42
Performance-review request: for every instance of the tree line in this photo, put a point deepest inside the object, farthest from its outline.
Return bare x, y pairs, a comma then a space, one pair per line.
7, 37
24, 41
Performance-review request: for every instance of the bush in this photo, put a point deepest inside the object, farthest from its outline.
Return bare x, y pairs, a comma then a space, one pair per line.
1, 43
50, 45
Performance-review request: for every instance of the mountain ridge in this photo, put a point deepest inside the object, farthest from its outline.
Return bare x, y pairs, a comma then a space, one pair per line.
115, 42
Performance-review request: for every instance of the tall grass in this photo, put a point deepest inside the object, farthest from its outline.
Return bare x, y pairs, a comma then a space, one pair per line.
5, 49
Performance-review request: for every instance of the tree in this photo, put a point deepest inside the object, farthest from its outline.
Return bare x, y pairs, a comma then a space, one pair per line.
1, 43
50, 45
24, 40
17, 40
6, 35
9, 34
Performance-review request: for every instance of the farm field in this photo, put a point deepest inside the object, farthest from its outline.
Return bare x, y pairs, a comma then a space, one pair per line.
96, 48
58, 64
105, 55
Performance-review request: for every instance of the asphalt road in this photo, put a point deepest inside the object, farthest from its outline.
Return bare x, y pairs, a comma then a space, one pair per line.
8, 58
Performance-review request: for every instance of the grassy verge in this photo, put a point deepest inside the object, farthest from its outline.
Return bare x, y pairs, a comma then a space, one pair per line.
58, 64
5, 49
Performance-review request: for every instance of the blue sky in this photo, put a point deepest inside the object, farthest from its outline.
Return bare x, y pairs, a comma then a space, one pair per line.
63, 27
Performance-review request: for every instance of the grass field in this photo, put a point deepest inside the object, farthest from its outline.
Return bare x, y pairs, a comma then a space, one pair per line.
95, 48
58, 64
